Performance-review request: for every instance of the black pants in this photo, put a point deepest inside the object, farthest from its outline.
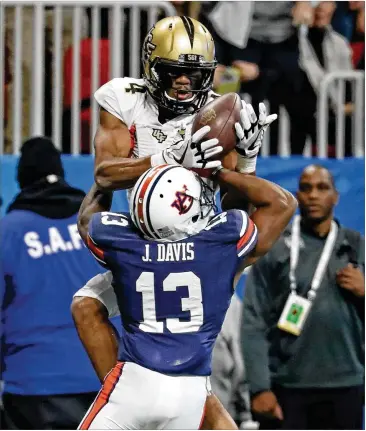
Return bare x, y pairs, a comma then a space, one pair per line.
45, 412
322, 409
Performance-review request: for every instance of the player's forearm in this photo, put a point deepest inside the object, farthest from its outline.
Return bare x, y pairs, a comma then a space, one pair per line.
95, 201
257, 191
274, 207
96, 333
120, 173
234, 200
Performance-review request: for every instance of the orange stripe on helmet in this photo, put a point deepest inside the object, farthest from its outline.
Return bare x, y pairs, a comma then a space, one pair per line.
141, 196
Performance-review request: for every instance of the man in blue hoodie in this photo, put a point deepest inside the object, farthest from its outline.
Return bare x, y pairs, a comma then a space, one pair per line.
49, 382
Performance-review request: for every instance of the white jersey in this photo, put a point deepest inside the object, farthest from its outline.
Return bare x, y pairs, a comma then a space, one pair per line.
129, 100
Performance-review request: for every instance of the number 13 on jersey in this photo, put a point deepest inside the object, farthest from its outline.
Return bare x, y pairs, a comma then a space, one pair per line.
145, 285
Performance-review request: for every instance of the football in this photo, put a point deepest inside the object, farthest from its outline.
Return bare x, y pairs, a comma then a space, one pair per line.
221, 114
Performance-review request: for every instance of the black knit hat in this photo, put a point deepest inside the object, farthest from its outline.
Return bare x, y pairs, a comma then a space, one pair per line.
39, 158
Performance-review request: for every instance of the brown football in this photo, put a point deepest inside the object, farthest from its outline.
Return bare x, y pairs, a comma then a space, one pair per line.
221, 114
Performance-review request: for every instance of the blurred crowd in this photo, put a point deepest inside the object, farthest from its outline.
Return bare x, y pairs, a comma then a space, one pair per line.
279, 54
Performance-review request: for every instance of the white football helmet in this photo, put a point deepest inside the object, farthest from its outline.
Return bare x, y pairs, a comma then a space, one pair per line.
170, 203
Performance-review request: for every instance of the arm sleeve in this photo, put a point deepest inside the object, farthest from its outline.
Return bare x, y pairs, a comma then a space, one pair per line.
93, 239
256, 308
248, 235
100, 287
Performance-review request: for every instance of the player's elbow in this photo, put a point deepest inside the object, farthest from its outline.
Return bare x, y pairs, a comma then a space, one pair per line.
286, 204
82, 224
85, 310
102, 179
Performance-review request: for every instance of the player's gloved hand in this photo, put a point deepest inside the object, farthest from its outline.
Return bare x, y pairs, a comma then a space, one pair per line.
198, 151
191, 153
250, 130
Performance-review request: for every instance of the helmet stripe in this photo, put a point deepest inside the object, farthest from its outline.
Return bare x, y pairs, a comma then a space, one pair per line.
189, 26
134, 197
147, 207
140, 204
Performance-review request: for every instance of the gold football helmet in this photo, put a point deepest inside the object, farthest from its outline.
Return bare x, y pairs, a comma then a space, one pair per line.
178, 46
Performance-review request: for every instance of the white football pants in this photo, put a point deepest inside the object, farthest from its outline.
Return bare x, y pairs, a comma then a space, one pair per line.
135, 398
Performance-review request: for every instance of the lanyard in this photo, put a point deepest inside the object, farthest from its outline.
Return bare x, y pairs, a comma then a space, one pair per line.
323, 261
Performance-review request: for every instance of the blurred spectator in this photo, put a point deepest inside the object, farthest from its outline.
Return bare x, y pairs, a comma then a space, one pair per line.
228, 373
349, 20
322, 50
187, 8
28, 55
229, 23
85, 90
49, 382
7, 81
303, 319
261, 43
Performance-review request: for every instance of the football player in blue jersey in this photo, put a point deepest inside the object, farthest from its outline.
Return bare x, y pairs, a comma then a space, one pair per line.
173, 266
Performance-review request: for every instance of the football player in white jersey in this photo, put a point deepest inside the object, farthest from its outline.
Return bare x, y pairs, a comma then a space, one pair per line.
147, 122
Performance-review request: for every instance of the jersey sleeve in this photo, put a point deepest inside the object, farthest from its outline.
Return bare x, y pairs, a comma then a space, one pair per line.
120, 97
95, 239
107, 231
248, 235
234, 227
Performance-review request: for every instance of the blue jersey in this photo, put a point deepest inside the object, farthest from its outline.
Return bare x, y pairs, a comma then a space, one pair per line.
42, 264
173, 296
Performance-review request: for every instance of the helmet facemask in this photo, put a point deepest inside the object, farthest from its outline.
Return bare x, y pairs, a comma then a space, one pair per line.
207, 207
161, 82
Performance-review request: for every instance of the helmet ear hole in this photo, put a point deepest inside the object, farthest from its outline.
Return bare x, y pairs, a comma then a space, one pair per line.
195, 218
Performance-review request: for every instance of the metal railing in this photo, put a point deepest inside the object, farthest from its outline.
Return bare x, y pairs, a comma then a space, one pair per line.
122, 16
338, 81
118, 42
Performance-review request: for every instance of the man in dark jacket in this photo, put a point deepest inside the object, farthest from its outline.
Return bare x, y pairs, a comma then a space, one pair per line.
49, 382
303, 319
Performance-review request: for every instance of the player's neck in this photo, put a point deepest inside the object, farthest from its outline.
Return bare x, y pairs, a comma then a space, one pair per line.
319, 229
165, 115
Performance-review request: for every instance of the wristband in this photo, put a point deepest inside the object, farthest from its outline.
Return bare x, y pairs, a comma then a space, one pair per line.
217, 170
157, 160
246, 165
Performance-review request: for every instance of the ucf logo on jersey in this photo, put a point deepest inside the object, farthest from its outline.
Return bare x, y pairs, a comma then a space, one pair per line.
159, 135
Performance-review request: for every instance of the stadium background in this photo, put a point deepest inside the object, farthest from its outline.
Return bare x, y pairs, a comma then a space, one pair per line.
51, 55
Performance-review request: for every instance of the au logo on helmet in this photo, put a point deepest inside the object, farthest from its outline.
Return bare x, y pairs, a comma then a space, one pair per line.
183, 203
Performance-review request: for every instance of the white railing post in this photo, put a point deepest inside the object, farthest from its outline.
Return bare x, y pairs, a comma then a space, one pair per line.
95, 72
358, 144
135, 45
358, 115
116, 51
17, 80
37, 90
75, 104
116, 48
340, 119
57, 96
